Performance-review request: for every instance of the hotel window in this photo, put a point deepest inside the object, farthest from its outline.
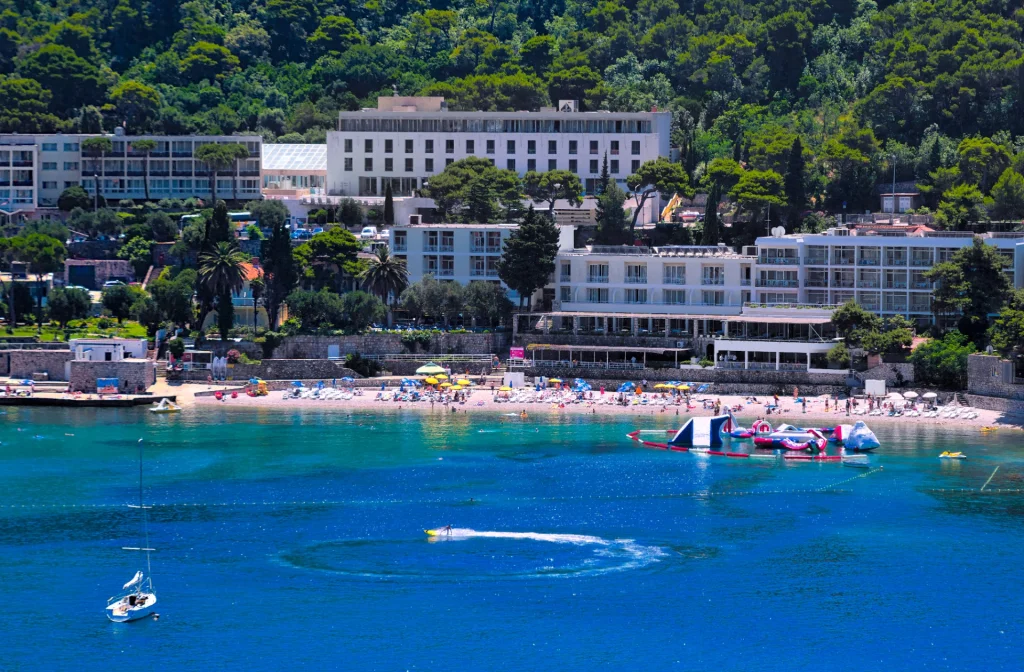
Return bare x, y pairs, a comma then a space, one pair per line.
614, 147
552, 164
552, 146
348, 164
49, 185
634, 165
428, 165
71, 165
675, 297
531, 165
447, 266
449, 146
713, 298
470, 147
368, 164
634, 148
408, 146
565, 294
408, 165
614, 166
367, 146
74, 183
572, 146
531, 146
597, 273
510, 164
593, 146
636, 274
448, 162
428, 146
566, 273
674, 275
597, 295
70, 146
573, 166
636, 296
712, 275
49, 165
593, 167
49, 146
389, 146
510, 146
490, 146
389, 164
348, 144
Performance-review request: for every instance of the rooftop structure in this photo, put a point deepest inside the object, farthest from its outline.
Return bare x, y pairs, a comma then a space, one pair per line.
293, 170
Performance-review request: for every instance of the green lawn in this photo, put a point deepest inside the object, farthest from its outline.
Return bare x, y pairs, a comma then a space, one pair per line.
77, 329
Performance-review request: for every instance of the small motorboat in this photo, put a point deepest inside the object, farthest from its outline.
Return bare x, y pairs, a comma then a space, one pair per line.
165, 406
949, 455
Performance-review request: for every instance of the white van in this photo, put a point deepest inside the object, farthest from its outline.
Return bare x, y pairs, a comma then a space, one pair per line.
368, 233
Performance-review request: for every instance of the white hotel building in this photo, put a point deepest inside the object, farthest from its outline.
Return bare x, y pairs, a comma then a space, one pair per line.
60, 162
405, 141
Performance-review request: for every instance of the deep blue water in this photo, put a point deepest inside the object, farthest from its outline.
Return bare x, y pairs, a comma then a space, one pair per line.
293, 538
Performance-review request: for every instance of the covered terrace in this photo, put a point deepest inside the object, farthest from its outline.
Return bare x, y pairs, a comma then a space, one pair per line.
602, 357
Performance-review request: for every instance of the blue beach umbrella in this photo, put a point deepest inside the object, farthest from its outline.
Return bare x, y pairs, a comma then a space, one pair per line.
296, 383
627, 387
254, 381
348, 379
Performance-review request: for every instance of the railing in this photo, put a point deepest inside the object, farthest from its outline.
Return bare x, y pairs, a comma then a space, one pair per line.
400, 247
792, 366
871, 306
868, 262
761, 366
242, 301
493, 249
920, 308
181, 173
786, 261
894, 308
810, 282
476, 248
636, 280
23, 183
843, 261
868, 284
895, 285
745, 282
765, 282
712, 282
816, 261
430, 248
113, 173
446, 273
897, 261
843, 284
438, 359
176, 153
597, 278
476, 273
492, 272
921, 262
159, 173
729, 365
565, 278
447, 248
248, 173
922, 285
673, 281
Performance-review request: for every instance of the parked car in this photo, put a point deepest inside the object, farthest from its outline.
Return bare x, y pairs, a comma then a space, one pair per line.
112, 283
368, 233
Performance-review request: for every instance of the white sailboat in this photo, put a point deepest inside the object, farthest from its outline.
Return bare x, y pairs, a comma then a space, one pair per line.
137, 598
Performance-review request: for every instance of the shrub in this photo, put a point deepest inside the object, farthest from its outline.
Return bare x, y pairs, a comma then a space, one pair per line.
705, 363
105, 323
233, 356
364, 367
176, 347
268, 341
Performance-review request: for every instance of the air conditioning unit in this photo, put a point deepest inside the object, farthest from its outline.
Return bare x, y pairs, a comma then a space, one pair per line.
415, 220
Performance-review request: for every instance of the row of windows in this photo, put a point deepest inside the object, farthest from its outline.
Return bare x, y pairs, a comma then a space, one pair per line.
531, 165
107, 184
455, 125
52, 146
490, 146
676, 297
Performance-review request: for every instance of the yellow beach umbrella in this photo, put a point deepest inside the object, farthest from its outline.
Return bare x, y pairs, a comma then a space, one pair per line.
664, 386
429, 369
684, 388
464, 382
445, 385
430, 381
554, 380
504, 388
456, 388
440, 376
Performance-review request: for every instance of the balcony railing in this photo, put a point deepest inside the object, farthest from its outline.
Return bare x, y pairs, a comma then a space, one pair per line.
448, 248
492, 272
176, 153
636, 280
768, 282
729, 365
869, 261
792, 366
712, 282
781, 261
565, 278
476, 248
921, 262
181, 173
23, 183
446, 273
21, 163
815, 282
868, 284
843, 261
597, 278
248, 173
896, 261
922, 285
761, 366
871, 306
430, 248
896, 284
745, 282
817, 261
676, 280
843, 284
476, 272
493, 249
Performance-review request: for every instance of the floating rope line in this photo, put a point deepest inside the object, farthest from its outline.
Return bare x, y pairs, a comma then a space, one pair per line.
990, 478
852, 478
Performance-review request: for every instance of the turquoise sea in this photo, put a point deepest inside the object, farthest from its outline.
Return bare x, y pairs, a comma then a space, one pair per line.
292, 539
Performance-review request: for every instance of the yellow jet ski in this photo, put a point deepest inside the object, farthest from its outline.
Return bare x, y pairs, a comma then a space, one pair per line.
947, 455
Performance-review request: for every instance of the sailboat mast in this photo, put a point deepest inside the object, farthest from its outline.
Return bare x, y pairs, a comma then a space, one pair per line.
145, 521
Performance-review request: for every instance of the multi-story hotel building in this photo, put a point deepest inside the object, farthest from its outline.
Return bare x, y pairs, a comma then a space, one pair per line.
61, 162
404, 141
19, 166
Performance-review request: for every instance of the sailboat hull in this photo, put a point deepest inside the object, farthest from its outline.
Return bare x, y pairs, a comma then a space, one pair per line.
121, 612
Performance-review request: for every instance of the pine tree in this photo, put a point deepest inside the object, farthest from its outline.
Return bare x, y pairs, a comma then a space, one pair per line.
935, 156
796, 194
389, 206
712, 231
528, 259
602, 185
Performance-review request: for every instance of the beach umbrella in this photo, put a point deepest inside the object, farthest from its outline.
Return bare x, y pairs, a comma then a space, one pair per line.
431, 381
456, 388
445, 385
429, 369
895, 396
504, 388
296, 383
664, 386
254, 381
684, 388
348, 379
627, 386
554, 380
463, 382
440, 376
929, 395
910, 395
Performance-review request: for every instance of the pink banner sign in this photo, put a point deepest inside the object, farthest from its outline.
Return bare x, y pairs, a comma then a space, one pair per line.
517, 353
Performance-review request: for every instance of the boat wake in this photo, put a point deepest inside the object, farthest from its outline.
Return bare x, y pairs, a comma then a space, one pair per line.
479, 555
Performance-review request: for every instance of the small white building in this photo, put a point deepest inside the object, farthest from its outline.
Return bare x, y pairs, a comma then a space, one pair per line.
108, 349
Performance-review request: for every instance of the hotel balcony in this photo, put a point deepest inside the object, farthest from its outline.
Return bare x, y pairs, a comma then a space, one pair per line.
765, 282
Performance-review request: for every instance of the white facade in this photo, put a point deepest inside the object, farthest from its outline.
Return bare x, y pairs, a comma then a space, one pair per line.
406, 141
108, 349
19, 166
882, 273
673, 280
173, 173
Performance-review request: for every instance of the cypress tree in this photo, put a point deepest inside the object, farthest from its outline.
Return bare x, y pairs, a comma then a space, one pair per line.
389, 206
605, 176
712, 231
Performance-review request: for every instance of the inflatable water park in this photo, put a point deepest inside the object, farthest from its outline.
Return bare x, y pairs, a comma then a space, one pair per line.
708, 435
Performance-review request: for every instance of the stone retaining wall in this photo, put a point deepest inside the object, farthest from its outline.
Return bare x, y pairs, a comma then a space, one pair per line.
132, 374
276, 369
315, 347
1010, 407
891, 373
992, 377
23, 363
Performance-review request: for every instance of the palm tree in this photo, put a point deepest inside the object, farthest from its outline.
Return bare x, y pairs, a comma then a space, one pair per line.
145, 145
386, 276
97, 146
216, 159
235, 151
221, 272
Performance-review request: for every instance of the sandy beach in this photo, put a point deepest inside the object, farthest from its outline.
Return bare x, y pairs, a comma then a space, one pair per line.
483, 401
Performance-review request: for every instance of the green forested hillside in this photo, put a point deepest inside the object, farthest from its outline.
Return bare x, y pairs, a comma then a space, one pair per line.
938, 85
